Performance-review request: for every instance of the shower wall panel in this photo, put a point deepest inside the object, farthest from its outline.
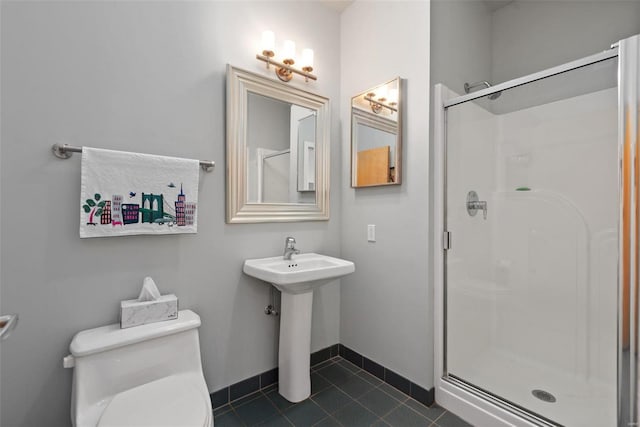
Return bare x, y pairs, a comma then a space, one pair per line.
558, 241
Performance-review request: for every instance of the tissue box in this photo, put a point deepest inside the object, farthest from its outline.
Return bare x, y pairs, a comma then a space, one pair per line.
136, 313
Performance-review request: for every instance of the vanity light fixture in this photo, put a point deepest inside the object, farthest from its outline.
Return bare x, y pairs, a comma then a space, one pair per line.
285, 69
382, 102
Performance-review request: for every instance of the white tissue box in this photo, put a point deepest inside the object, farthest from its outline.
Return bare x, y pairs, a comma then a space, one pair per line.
136, 313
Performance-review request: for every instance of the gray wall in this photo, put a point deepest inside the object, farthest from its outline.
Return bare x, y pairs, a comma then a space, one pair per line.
145, 77
268, 127
386, 305
268, 123
471, 42
460, 42
529, 36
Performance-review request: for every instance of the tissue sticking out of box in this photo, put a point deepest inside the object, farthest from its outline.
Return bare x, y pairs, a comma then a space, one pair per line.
149, 307
149, 291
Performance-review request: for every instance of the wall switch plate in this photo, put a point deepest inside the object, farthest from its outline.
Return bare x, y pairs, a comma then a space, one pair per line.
371, 233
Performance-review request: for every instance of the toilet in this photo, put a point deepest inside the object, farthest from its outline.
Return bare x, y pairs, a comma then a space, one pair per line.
149, 375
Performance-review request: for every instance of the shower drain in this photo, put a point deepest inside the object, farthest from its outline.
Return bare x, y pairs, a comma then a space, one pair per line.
545, 396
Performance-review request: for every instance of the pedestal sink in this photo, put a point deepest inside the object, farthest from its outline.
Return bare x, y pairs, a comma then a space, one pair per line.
296, 279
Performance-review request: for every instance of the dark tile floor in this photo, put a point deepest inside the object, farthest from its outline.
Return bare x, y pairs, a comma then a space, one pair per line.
341, 395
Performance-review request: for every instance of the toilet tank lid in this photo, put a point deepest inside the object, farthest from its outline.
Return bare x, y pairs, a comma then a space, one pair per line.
109, 337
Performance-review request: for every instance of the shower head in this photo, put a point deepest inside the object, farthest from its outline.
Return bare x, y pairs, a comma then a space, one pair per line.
469, 86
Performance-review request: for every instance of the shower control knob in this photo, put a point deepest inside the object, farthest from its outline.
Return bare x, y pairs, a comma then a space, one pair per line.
474, 204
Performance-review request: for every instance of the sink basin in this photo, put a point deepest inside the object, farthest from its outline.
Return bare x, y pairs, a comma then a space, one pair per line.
301, 273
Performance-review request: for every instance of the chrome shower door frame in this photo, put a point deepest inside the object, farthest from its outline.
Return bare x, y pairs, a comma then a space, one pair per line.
484, 409
629, 176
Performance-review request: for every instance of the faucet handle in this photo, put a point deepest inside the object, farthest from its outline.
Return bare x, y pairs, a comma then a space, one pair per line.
289, 242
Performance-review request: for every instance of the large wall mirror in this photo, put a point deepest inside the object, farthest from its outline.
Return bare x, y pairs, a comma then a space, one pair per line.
376, 136
277, 151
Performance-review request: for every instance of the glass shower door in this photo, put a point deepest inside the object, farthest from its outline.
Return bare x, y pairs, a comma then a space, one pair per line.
532, 207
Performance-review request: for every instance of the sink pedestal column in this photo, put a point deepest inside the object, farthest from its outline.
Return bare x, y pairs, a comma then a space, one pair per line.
295, 346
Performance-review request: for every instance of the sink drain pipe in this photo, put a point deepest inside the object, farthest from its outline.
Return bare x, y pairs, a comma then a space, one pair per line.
271, 309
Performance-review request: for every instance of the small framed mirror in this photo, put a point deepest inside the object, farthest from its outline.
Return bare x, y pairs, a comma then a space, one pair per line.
376, 136
277, 151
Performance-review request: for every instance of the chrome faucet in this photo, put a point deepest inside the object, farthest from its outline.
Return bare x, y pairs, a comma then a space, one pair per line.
289, 248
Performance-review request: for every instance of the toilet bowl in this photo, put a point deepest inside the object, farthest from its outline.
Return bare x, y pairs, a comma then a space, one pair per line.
149, 375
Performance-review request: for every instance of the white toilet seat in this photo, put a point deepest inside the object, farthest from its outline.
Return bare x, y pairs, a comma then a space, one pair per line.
174, 401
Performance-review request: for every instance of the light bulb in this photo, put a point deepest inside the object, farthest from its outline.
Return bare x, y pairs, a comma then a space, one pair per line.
393, 95
289, 50
381, 93
307, 58
268, 41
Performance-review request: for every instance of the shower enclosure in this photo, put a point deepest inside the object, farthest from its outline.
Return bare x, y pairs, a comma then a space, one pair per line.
536, 217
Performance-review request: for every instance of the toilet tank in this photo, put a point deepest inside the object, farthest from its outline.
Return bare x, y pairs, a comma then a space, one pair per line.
109, 360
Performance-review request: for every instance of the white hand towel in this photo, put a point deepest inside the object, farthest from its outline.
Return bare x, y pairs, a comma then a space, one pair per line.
131, 193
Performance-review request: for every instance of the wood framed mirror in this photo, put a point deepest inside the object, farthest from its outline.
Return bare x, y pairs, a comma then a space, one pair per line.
376, 136
277, 151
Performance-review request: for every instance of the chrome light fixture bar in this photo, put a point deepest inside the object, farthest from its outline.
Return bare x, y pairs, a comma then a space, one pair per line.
285, 69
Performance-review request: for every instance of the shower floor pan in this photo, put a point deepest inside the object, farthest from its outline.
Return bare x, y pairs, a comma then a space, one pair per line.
578, 401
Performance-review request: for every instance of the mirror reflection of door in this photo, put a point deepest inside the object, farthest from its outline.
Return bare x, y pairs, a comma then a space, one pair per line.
376, 155
303, 133
307, 179
280, 151
376, 138
373, 166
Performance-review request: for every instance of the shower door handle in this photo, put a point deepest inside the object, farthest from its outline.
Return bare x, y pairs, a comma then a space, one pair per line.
474, 204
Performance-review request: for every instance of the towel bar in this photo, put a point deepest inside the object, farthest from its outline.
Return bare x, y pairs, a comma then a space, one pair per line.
64, 151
